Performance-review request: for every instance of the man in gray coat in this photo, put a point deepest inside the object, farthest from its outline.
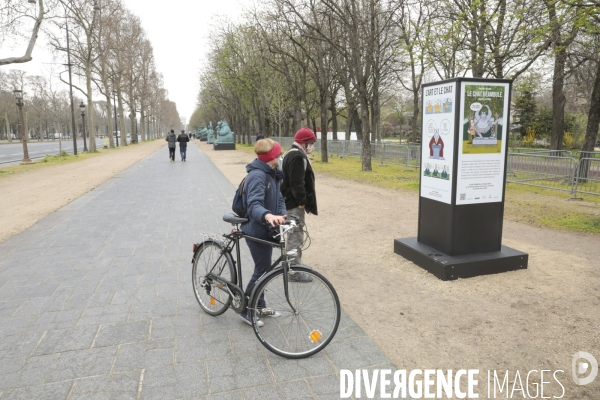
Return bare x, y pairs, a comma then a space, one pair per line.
172, 140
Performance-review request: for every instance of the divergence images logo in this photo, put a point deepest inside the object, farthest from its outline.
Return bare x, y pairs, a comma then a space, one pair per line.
581, 367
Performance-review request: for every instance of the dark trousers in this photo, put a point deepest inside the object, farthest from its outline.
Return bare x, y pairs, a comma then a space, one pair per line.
261, 255
172, 153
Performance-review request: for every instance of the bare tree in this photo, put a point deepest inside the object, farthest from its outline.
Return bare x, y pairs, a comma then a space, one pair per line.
17, 16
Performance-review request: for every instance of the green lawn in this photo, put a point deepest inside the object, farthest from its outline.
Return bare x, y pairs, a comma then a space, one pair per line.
532, 205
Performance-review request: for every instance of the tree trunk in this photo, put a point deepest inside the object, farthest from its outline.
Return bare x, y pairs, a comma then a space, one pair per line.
366, 142
591, 131
415, 116
287, 127
334, 122
142, 122
558, 100
122, 124
349, 120
324, 120
375, 116
90, 107
357, 124
268, 131
133, 117
8, 133
297, 119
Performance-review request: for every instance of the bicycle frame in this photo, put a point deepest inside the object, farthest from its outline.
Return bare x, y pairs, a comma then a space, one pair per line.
233, 240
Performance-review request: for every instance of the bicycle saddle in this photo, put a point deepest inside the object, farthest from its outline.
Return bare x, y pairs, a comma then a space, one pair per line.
234, 219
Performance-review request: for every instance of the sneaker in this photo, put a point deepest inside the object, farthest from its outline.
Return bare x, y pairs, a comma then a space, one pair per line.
247, 320
299, 277
268, 312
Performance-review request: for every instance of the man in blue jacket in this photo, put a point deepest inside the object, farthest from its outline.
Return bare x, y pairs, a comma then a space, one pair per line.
183, 140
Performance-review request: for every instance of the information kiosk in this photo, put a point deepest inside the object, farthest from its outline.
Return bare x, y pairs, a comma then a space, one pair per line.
464, 148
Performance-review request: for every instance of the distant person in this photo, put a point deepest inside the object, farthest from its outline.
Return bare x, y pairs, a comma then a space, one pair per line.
259, 136
298, 189
172, 140
183, 140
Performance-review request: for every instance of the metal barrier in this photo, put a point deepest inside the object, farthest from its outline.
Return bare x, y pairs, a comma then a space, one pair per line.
587, 180
545, 171
526, 166
554, 153
587, 154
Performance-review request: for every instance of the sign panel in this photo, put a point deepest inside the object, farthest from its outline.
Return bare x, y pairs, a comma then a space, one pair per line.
437, 141
484, 138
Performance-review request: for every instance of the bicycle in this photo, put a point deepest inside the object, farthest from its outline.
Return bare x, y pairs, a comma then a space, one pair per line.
309, 311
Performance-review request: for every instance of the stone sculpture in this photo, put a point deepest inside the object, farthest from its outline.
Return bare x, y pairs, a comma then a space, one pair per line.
210, 136
224, 133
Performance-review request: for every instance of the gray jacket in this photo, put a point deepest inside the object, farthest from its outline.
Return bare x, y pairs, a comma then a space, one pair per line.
172, 139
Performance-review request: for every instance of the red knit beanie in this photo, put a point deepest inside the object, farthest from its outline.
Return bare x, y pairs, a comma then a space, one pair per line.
305, 135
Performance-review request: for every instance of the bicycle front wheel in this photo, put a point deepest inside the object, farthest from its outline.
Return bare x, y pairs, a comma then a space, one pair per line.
308, 329
212, 295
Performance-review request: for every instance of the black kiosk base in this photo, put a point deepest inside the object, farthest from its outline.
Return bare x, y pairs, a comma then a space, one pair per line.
224, 146
449, 268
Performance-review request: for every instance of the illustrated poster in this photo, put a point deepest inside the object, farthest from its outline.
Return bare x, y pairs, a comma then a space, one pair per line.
437, 142
481, 155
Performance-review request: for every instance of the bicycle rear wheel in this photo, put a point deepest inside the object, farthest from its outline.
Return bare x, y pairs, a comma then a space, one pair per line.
304, 332
213, 296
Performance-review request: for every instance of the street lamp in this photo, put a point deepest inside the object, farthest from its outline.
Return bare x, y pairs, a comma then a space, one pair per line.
19, 99
82, 109
115, 108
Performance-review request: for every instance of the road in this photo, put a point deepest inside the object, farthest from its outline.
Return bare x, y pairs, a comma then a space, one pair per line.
12, 153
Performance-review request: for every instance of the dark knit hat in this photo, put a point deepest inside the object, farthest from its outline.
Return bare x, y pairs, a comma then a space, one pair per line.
305, 135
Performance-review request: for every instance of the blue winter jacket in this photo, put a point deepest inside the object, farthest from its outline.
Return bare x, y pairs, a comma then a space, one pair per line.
262, 196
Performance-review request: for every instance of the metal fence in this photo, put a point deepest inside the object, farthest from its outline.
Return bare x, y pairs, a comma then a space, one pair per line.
542, 171
587, 179
574, 172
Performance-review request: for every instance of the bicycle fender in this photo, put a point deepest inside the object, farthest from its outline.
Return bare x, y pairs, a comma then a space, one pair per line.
200, 246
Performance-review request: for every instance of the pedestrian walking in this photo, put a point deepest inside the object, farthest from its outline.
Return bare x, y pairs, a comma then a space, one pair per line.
183, 140
172, 140
298, 189
265, 207
259, 136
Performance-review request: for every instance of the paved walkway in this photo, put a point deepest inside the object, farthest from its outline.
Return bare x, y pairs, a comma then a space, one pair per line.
96, 301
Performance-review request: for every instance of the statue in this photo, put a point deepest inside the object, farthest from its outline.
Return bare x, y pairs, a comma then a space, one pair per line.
210, 136
224, 133
202, 134
225, 137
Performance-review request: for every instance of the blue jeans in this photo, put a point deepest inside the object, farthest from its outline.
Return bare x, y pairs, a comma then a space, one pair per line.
182, 151
261, 255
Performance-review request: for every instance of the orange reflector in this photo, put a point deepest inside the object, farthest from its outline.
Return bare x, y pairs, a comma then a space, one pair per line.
212, 301
221, 285
315, 336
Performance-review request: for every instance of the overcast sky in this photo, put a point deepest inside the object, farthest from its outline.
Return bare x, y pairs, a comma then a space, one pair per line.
178, 30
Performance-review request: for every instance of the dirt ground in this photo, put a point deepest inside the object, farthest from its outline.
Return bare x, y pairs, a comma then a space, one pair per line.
30, 196
533, 319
